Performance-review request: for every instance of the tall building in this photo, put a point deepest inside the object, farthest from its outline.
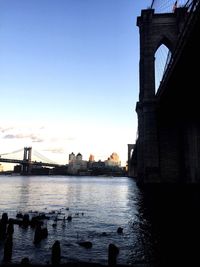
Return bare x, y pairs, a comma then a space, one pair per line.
91, 158
113, 160
76, 164
79, 156
72, 157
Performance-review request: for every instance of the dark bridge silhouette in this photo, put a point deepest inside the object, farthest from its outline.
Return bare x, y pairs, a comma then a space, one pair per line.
27, 162
168, 145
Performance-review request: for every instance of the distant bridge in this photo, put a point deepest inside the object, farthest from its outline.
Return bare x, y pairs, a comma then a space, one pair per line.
27, 162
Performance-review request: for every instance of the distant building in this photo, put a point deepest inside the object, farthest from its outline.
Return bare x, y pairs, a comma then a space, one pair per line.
17, 169
79, 156
113, 160
60, 170
72, 157
76, 164
1, 168
111, 166
97, 164
91, 158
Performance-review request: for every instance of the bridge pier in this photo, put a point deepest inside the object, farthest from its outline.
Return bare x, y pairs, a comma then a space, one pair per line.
26, 166
147, 144
192, 153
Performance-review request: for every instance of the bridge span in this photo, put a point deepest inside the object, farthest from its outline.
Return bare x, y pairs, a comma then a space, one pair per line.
27, 163
167, 149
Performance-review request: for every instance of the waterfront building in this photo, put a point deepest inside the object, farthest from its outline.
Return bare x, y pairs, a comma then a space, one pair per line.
1, 168
79, 156
113, 160
97, 164
72, 157
76, 164
91, 158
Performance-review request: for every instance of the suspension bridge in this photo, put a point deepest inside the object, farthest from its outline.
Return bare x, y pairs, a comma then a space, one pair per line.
167, 148
26, 160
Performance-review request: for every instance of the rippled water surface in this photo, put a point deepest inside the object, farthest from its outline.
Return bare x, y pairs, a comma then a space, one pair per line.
97, 205
160, 223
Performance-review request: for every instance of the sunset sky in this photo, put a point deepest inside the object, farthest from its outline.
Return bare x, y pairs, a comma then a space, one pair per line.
69, 76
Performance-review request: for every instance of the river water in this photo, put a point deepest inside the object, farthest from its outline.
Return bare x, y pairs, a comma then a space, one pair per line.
98, 206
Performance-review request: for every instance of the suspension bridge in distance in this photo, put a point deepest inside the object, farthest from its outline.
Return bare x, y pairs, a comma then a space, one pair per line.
27, 163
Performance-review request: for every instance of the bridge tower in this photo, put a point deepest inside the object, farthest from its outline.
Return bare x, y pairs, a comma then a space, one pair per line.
26, 166
155, 30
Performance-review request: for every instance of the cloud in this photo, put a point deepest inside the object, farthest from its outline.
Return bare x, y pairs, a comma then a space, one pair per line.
33, 137
55, 150
9, 136
71, 138
5, 129
56, 139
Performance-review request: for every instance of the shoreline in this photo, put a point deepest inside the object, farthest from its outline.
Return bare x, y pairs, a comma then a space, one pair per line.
76, 264
71, 175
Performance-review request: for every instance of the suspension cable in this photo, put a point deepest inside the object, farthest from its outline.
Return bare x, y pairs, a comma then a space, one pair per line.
14, 152
43, 158
168, 6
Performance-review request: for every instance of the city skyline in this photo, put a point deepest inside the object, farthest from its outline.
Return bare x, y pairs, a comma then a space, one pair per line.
37, 157
69, 76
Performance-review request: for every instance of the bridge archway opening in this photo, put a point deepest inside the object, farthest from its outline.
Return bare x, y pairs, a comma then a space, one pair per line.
162, 57
131, 153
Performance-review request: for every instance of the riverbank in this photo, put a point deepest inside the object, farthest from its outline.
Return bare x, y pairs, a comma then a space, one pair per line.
77, 264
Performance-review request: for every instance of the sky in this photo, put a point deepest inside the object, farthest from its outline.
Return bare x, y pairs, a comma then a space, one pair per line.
69, 76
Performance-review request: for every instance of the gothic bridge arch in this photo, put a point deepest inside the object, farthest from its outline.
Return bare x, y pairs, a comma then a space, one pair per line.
155, 30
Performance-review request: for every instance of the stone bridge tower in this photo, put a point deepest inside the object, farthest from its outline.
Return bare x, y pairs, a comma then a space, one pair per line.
155, 30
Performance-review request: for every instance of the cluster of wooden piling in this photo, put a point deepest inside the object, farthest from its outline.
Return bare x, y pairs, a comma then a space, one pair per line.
41, 232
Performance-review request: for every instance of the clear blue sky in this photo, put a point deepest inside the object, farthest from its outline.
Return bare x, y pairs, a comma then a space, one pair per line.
69, 76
